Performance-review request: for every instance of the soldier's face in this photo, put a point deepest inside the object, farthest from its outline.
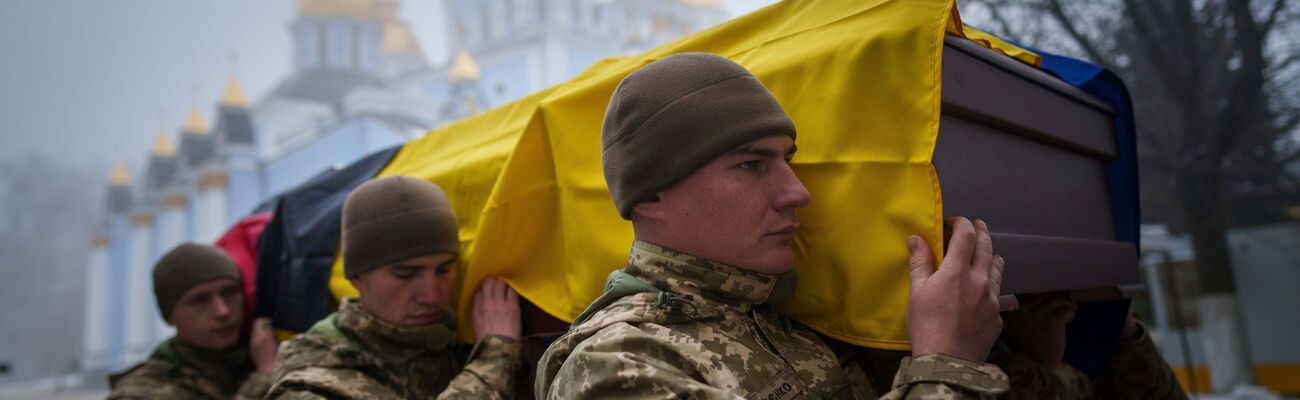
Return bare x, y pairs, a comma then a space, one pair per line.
739, 208
411, 292
210, 315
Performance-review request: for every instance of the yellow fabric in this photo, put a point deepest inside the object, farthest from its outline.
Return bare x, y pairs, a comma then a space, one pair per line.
860, 78
1001, 46
464, 158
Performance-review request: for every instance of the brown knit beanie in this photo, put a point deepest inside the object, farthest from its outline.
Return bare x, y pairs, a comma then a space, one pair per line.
672, 116
396, 218
185, 267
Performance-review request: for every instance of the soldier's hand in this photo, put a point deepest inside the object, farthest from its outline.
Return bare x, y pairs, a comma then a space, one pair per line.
262, 345
954, 310
496, 310
1037, 330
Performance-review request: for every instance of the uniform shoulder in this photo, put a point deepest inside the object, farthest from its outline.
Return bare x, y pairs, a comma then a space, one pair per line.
317, 349
329, 383
152, 379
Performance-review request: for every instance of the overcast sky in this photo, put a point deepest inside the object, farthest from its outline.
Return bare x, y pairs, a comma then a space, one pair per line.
92, 82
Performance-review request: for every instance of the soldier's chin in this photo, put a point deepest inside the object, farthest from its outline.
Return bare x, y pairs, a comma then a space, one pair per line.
424, 319
219, 341
773, 261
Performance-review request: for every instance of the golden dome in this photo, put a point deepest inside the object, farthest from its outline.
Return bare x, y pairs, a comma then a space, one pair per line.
162, 146
195, 123
234, 96
334, 8
119, 176
463, 68
714, 4
397, 38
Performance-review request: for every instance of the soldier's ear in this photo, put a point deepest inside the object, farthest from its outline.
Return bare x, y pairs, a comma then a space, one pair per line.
356, 282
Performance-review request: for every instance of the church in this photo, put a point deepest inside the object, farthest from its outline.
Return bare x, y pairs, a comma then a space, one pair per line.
359, 84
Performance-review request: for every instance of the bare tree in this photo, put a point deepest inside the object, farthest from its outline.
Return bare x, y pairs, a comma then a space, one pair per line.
1215, 86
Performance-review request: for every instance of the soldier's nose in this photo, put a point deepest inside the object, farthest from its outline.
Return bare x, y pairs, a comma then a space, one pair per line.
427, 295
221, 309
791, 192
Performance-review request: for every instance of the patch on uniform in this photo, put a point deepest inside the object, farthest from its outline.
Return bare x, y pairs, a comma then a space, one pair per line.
784, 386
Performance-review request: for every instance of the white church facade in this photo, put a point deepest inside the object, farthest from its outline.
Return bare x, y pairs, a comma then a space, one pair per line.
359, 84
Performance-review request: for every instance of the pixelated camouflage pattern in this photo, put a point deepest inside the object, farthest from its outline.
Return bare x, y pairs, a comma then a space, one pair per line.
354, 355
179, 371
943, 377
1135, 371
710, 330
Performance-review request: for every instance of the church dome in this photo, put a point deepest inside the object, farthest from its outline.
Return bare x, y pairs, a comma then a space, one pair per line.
463, 67
335, 8
163, 147
195, 123
234, 96
120, 176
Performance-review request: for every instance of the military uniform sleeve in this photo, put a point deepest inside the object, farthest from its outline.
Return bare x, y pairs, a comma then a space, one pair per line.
156, 390
1137, 371
327, 383
628, 364
255, 386
144, 382
301, 395
490, 373
940, 376
1031, 380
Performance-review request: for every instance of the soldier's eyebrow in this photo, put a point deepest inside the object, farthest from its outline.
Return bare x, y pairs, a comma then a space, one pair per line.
761, 151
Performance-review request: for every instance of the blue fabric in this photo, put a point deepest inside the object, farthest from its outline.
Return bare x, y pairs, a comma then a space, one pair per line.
1095, 332
295, 254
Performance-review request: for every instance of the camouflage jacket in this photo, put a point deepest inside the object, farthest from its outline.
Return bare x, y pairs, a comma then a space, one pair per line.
176, 370
1135, 371
673, 325
352, 354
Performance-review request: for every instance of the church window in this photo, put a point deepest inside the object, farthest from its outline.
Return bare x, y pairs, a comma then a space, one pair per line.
339, 45
321, 47
306, 46
356, 47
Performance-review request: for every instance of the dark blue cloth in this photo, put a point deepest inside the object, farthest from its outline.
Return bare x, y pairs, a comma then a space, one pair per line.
295, 254
1095, 332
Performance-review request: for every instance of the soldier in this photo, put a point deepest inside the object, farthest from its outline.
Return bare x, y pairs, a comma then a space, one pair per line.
1035, 345
400, 249
696, 154
198, 292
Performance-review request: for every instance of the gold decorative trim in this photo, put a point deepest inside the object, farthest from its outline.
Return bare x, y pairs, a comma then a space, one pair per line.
213, 180
175, 200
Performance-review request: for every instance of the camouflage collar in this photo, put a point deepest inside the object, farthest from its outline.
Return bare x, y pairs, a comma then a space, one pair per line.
392, 341
223, 368
183, 352
702, 279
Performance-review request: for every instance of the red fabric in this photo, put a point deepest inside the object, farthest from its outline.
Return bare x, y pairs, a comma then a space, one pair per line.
241, 243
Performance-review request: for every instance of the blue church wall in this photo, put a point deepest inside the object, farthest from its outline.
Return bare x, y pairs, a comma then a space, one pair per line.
339, 146
119, 262
187, 230
511, 73
580, 58
155, 253
243, 188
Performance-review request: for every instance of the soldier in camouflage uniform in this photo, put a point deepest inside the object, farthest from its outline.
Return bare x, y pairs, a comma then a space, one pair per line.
198, 291
1035, 345
696, 153
397, 341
